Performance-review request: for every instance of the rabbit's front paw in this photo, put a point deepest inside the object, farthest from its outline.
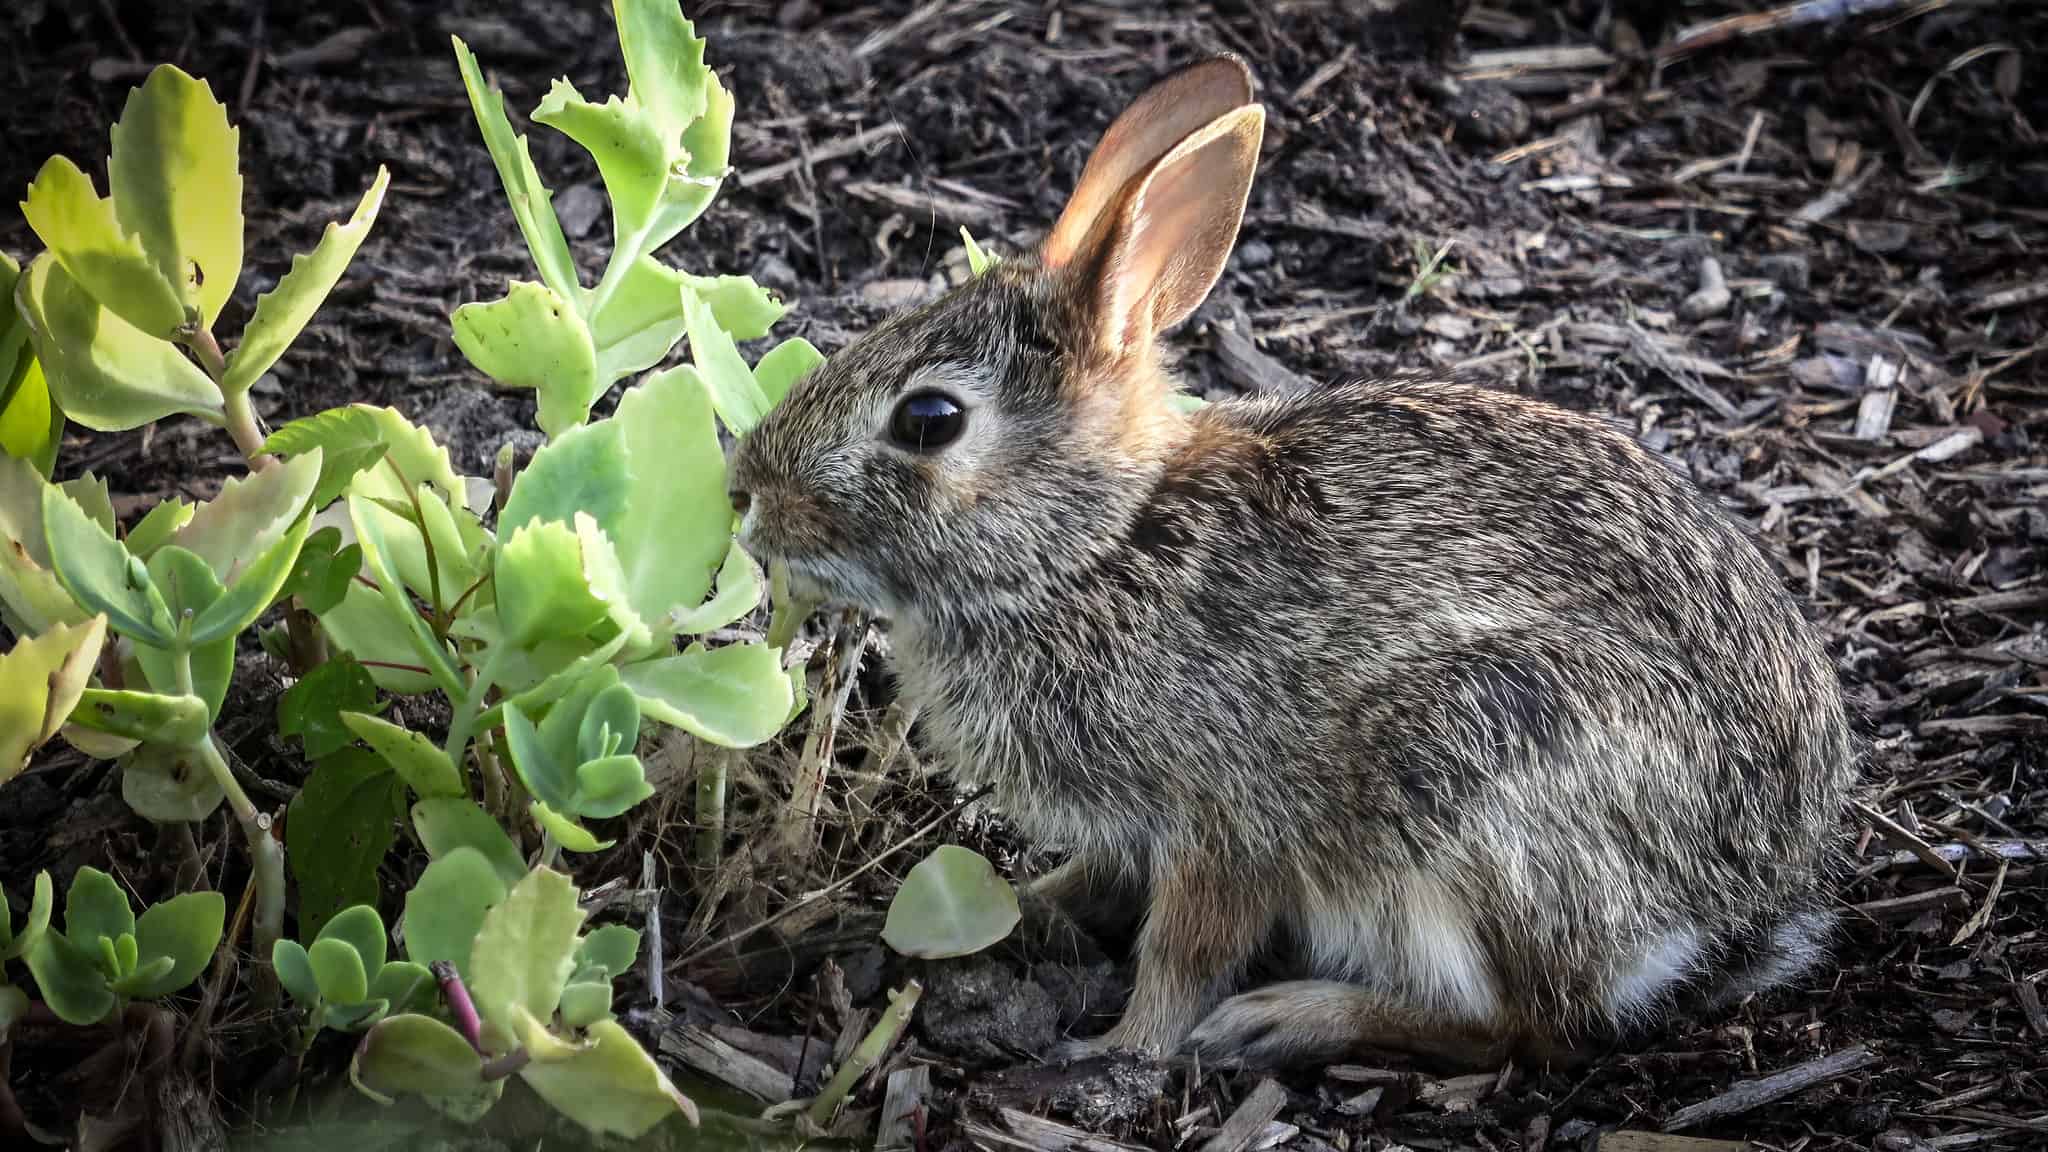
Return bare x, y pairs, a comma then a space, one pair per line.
1077, 1051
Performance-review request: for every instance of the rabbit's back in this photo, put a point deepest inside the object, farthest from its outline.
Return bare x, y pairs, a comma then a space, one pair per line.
1490, 699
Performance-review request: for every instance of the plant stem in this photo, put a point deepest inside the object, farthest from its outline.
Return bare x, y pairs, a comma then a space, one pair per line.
711, 776
873, 1047
470, 707
550, 851
266, 855
807, 796
460, 1006
789, 613
241, 424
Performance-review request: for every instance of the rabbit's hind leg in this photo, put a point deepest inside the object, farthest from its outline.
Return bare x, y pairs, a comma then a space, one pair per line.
1322, 1021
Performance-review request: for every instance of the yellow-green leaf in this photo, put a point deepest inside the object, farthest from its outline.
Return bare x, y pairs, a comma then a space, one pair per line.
100, 574
31, 597
250, 515
85, 236
736, 696
532, 204
176, 181
102, 371
609, 1086
41, 679
524, 951
533, 338
281, 314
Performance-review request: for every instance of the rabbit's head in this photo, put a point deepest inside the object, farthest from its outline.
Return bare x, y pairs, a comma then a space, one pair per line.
969, 453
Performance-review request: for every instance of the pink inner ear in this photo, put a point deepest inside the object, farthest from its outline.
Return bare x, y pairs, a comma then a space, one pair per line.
1174, 232
1154, 123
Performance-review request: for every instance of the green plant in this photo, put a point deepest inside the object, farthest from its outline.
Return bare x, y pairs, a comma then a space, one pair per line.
106, 955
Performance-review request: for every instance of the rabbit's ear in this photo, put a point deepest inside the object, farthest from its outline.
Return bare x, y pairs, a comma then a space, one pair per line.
1155, 122
1169, 237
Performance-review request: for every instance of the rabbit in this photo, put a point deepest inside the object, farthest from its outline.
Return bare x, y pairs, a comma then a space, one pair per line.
1477, 705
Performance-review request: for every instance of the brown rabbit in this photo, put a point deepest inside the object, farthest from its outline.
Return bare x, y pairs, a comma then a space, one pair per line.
1470, 699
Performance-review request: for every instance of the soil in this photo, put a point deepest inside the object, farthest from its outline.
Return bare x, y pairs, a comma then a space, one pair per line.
1741, 252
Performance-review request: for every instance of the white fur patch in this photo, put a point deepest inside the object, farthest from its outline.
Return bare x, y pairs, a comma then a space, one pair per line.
1673, 958
1415, 938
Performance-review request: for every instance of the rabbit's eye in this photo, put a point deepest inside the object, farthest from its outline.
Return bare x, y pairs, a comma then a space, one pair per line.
926, 422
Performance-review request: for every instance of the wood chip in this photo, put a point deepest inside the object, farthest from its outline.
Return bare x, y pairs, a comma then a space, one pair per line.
697, 1049
1747, 1095
1252, 1115
1900, 908
897, 1126
1632, 1140
1037, 1134
1983, 914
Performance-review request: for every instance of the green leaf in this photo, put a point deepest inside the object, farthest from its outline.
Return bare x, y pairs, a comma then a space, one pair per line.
235, 531
184, 930
411, 458
104, 372
744, 309
295, 972
168, 785
175, 181
282, 313
376, 551
585, 470
626, 141
675, 527
978, 261
100, 574
445, 824
69, 980
137, 979
611, 1087
313, 708
96, 908
782, 366
609, 785
42, 900
85, 236
188, 586
321, 575
708, 142
734, 392
350, 440
33, 598
664, 63
573, 837
94, 500
544, 774
337, 831
127, 955
339, 970
158, 526
736, 696
13, 1006
523, 952
357, 1016
367, 626
739, 592
585, 1003
610, 723
253, 591
404, 985
532, 203
533, 338
421, 763
415, 1055
362, 929
952, 903
446, 909
31, 427
144, 717
608, 951
542, 591
41, 681
634, 329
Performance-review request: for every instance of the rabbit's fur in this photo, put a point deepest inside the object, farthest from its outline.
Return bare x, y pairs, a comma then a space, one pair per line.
1471, 699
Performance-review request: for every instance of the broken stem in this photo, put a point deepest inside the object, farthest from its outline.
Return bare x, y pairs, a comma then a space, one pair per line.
711, 779
873, 1047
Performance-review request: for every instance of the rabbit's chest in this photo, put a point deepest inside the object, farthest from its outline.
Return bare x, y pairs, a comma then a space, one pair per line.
1043, 754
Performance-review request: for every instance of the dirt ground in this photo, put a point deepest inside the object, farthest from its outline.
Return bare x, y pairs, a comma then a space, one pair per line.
1806, 264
